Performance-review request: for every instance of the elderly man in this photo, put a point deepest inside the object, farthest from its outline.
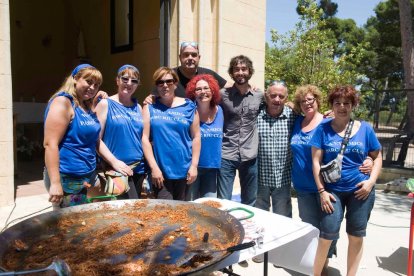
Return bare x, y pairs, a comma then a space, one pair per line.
240, 105
189, 59
275, 125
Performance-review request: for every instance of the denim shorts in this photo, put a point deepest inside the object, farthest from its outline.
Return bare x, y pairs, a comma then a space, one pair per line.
357, 215
310, 212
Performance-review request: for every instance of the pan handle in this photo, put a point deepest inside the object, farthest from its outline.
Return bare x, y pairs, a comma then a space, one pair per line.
91, 199
241, 246
250, 214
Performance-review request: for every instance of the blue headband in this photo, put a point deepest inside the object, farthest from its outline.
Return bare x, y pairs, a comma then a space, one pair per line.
126, 66
80, 67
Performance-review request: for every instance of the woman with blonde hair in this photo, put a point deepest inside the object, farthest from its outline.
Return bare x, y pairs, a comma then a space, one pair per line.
71, 138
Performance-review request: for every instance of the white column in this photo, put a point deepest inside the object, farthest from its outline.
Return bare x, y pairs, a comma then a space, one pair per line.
6, 111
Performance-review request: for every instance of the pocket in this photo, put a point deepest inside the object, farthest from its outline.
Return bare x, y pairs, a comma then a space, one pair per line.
73, 184
252, 112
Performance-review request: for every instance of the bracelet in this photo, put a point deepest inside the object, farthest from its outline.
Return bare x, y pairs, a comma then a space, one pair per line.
321, 190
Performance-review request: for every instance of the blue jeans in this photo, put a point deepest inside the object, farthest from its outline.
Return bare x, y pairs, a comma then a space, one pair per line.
357, 215
204, 186
281, 201
248, 180
310, 212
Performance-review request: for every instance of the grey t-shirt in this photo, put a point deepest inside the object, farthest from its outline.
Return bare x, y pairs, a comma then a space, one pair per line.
240, 140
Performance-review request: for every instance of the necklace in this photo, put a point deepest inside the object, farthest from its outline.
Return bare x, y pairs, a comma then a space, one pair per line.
209, 116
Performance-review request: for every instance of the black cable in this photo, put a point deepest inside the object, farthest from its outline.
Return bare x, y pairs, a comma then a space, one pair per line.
8, 223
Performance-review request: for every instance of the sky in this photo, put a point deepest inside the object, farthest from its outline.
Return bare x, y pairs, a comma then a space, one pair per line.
281, 14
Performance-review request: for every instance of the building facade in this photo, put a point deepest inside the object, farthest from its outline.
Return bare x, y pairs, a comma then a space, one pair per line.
41, 41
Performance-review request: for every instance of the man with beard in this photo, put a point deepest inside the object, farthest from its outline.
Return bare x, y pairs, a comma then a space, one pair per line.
240, 104
189, 59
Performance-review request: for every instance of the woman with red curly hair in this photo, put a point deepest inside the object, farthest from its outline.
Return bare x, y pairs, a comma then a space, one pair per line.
205, 91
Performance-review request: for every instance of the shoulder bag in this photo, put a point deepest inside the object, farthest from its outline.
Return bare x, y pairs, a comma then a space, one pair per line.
331, 172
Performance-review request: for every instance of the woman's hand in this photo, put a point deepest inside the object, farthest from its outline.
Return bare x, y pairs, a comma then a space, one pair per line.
55, 193
157, 179
123, 168
191, 174
326, 202
100, 95
150, 99
367, 165
364, 190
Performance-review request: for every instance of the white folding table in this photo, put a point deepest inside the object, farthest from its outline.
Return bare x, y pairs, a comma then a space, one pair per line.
290, 243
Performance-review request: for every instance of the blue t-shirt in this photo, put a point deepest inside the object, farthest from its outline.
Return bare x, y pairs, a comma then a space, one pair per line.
211, 142
77, 150
363, 142
123, 133
302, 175
171, 137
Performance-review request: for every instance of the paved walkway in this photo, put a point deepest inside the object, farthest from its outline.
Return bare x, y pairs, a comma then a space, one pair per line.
386, 245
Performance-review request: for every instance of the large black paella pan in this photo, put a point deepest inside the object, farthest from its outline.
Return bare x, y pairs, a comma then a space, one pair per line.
140, 237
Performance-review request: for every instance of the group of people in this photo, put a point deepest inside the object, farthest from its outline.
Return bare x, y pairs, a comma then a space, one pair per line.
196, 131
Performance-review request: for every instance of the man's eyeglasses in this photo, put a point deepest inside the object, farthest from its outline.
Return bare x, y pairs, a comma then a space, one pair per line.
275, 82
308, 101
126, 80
162, 82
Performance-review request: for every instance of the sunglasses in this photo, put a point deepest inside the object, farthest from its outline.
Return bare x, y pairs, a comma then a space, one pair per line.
276, 82
126, 80
188, 43
162, 82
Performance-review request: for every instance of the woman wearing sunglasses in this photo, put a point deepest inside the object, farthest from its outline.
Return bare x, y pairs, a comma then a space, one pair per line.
121, 122
205, 91
354, 191
171, 138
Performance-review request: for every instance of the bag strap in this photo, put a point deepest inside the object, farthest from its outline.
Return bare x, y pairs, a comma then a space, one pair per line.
346, 137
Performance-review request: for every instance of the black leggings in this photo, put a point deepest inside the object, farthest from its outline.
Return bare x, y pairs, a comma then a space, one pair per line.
172, 189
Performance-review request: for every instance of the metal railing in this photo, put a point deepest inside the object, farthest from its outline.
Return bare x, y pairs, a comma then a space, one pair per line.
386, 111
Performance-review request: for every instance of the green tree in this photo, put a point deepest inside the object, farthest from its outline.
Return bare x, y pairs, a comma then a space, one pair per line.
383, 64
306, 55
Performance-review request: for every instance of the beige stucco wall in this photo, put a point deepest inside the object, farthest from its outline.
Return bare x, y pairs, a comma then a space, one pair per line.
223, 30
6, 120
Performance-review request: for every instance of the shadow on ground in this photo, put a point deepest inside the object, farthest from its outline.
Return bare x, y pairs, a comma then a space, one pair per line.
394, 202
28, 171
396, 263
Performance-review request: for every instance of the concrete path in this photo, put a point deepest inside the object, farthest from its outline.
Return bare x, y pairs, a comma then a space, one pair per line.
386, 244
